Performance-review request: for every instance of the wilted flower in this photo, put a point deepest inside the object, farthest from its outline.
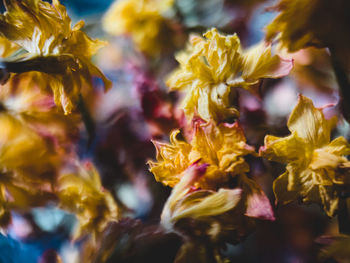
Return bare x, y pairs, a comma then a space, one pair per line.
338, 250
222, 149
314, 163
143, 20
184, 202
212, 67
28, 166
59, 54
81, 193
199, 216
221, 146
303, 23
35, 142
207, 217
22, 98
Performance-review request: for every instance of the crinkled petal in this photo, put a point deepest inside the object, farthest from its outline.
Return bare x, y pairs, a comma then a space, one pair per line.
260, 63
172, 160
310, 123
83, 194
280, 188
183, 204
283, 150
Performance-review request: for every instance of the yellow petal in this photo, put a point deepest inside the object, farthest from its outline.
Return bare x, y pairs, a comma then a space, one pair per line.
339, 249
260, 63
222, 147
310, 123
183, 204
143, 20
283, 150
172, 160
280, 188
81, 193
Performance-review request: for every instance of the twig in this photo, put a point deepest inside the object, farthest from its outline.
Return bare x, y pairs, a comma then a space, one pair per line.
343, 83
87, 120
343, 216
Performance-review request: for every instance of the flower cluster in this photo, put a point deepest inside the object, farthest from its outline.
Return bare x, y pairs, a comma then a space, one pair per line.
46, 63
213, 67
204, 163
66, 144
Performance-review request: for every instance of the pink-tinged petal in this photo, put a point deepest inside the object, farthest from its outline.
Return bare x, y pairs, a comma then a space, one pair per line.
198, 170
158, 111
45, 103
258, 205
283, 69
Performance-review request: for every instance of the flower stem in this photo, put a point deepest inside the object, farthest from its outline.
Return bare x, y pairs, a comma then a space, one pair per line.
87, 120
343, 83
343, 216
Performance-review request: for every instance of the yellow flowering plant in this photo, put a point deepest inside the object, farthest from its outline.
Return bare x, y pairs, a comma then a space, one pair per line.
211, 188
36, 143
199, 213
47, 44
82, 193
338, 249
303, 23
222, 148
313, 161
211, 69
144, 22
184, 202
34, 147
32, 176
29, 166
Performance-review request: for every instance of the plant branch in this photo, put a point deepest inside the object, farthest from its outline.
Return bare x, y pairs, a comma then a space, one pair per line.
87, 120
343, 83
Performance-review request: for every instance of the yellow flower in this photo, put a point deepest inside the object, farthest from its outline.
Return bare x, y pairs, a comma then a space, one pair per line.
24, 152
29, 165
222, 147
200, 214
21, 98
303, 23
337, 250
199, 205
81, 193
313, 161
212, 67
60, 53
143, 20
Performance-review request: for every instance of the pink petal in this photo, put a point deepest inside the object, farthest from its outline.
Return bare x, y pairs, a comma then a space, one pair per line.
259, 206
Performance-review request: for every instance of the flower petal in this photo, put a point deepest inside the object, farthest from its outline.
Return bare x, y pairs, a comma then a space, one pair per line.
310, 123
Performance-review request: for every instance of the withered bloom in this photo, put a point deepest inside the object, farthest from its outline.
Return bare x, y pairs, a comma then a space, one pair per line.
214, 66
314, 162
59, 56
303, 23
